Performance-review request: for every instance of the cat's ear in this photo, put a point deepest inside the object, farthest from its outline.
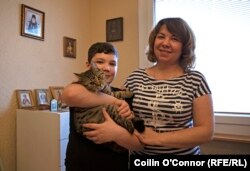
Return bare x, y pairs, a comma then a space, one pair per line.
93, 65
78, 75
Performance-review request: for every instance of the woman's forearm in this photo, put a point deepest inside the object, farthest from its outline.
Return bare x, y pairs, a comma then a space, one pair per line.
127, 140
186, 138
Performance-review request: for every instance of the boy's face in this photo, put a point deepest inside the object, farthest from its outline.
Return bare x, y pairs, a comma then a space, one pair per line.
107, 63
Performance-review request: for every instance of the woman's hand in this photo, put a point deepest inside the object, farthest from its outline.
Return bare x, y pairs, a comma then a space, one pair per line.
124, 109
103, 132
149, 136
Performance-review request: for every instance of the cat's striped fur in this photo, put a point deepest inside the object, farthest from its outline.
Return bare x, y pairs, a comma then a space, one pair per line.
94, 80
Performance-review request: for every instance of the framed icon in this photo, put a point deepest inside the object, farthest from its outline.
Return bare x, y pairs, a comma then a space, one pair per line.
56, 92
25, 99
114, 29
42, 97
32, 24
69, 47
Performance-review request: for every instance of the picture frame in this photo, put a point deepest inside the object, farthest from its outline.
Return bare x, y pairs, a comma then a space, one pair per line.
56, 92
114, 29
32, 23
25, 99
42, 97
69, 47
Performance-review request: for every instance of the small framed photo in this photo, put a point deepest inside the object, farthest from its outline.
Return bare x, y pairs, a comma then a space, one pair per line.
114, 29
42, 97
69, 47
56, 92
25, 99
32, 24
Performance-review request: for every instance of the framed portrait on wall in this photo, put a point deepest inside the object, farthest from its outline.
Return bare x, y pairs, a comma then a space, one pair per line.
32, 24
69, 47
114, 29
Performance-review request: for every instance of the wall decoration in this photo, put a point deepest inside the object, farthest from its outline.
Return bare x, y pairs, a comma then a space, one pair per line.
42, 98
25, 99
56, 92
32, 24
114, 29
69, 47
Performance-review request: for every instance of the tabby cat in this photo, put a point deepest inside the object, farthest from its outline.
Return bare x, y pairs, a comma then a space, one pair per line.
94, 80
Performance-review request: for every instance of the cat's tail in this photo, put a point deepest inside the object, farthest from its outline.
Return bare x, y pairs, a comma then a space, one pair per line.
138, 124
123, 94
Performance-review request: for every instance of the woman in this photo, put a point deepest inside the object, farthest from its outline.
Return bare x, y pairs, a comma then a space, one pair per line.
85, 153
173, 99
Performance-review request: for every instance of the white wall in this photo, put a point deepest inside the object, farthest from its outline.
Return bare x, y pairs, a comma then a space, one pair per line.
29, 64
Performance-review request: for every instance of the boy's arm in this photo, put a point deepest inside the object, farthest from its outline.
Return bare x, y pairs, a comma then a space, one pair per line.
76, 95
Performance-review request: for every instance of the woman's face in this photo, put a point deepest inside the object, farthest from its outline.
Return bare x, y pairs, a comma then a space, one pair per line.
107, 63
167, 47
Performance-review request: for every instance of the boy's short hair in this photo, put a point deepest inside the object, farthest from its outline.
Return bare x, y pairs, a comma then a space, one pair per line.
101, 47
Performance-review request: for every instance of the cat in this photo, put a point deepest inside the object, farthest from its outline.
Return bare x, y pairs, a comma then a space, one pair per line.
94, 80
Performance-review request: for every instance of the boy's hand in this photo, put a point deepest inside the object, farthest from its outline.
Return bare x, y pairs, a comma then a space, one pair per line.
123, 109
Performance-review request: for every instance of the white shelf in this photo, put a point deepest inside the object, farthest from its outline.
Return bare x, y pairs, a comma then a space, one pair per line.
42, 138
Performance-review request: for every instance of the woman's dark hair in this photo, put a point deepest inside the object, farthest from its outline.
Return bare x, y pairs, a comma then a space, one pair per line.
101, 47
183, 32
